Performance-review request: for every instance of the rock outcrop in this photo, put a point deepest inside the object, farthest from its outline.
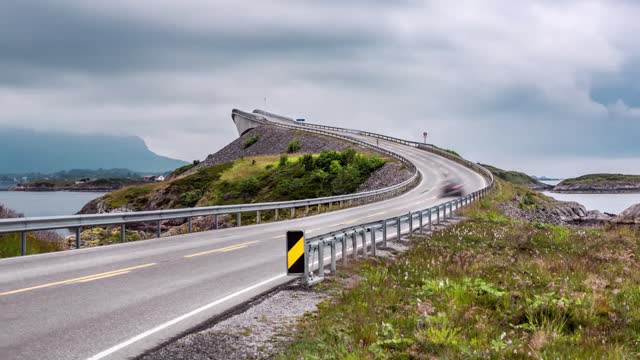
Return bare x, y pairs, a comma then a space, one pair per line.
550, 211
630, 216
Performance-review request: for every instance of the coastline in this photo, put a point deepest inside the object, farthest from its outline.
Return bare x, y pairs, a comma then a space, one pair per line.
604, 192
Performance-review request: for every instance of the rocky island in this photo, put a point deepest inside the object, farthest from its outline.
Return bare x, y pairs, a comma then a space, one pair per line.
600, 183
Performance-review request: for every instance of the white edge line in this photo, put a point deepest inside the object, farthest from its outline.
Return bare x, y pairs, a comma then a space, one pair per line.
161, 327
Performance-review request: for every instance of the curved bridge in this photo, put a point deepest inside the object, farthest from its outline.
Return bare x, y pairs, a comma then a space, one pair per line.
121, 300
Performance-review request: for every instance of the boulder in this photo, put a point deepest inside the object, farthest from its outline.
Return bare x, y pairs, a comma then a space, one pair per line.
630, 216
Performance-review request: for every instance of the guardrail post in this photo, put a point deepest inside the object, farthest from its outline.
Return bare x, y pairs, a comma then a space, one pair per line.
293, 212
239, 219
306, 211
78, 237
321, 258
258, 217
23, 243
429, 212
354, 244
420, 220
398, 228
158, 230
341, 204
384, 233
215, 220
364, 242
344, 249
305, 276
275, 217
438, 214
333, 256
189, 225
123, 233
373, 241
329, 205
410, 223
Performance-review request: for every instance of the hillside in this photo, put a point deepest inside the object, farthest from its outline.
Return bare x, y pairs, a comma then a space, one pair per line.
517, 178
600, 183
28, 151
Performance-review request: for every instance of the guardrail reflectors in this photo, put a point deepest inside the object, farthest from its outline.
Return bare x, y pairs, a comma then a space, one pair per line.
295, 252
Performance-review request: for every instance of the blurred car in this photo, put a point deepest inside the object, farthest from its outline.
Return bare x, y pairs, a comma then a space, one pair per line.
452, 187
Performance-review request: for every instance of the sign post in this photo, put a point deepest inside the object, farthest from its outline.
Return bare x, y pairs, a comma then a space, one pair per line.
296, 260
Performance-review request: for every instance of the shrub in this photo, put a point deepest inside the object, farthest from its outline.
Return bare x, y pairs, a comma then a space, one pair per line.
284, 160
191, 197
294, 146
251, 140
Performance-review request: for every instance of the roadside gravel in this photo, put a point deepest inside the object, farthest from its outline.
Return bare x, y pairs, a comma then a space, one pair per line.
257, 333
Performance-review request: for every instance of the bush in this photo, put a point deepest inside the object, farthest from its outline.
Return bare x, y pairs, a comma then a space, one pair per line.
294, 146
284, 160
191, 197
251, 140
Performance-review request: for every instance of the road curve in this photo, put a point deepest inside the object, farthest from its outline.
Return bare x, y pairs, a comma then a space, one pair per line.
121, 300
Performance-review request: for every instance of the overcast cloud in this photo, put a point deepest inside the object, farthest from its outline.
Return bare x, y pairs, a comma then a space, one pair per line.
549, 87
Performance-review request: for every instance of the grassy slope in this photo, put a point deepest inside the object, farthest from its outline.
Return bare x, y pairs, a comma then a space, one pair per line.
600, 178
489, 287
255, 179
514, 177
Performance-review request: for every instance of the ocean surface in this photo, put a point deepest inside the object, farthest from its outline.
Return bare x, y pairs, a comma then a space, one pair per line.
46, 203
610, 203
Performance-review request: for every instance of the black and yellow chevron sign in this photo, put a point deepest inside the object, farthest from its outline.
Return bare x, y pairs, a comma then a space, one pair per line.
295, 252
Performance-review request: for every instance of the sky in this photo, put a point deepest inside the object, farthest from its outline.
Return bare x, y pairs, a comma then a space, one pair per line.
548, 87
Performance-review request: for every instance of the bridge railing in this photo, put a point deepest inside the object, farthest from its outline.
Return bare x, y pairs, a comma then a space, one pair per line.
78, 222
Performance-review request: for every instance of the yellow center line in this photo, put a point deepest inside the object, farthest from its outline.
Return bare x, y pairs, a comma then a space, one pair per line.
224, 249
78, 279
104, 276
364, 217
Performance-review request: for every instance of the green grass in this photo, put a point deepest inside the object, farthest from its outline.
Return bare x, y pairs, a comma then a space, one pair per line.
10, 245
489, 287
600, 178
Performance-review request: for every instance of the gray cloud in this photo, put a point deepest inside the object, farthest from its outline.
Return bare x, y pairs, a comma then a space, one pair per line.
526, 86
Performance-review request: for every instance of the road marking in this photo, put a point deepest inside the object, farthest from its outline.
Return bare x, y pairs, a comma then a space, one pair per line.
161, 327
277, 237
224, 249
104, 276
79, 279
364, 217
312, 230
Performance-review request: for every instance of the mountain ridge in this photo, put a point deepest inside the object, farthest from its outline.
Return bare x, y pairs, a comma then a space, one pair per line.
32, 151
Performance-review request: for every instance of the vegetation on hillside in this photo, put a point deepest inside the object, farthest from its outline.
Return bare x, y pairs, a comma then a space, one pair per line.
514, 177
601, 178
488, 287
255, 179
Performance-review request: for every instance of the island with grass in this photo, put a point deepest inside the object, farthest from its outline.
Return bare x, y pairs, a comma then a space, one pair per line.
600, 183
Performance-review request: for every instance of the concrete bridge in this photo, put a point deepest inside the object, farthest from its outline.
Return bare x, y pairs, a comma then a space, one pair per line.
246, 121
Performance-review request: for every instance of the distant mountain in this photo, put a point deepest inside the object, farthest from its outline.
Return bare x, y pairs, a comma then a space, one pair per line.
29, 151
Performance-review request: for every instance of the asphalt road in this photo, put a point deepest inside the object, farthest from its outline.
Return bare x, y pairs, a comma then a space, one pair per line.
121, 300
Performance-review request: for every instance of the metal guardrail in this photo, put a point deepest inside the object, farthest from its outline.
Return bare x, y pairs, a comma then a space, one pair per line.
416, 221
77, 222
